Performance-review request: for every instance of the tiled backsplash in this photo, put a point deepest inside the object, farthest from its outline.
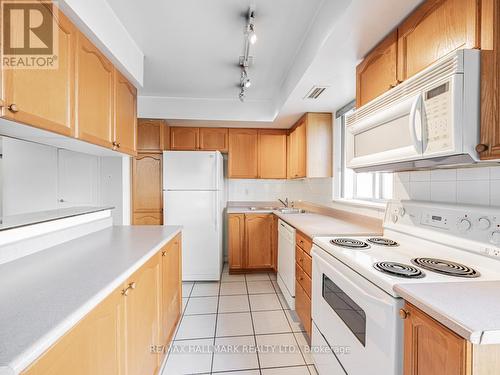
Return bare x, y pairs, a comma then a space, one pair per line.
480, 186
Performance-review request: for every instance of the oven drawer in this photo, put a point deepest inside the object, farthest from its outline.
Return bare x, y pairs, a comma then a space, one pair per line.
303, 242
324, 359
303, 307
304, 280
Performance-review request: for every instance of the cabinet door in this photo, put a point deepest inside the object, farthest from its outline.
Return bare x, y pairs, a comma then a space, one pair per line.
147, 183
236, 240
171, 288
259, 241
45, 98
214, 139
272, 154
95, 91
435, 29
94, 346
150, 135
303, 307
377, 73
431, 348
147, 218
243, 153
142, 318
298, 150
125, 123
184, 138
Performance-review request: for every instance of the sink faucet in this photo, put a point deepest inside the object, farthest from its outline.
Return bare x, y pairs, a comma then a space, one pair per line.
285, 202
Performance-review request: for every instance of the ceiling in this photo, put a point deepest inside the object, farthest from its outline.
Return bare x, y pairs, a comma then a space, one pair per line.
191, 50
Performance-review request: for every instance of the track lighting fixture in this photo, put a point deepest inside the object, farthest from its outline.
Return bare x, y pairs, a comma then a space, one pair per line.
250, 38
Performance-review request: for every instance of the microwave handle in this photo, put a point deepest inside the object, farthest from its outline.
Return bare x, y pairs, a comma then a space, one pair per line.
415, 122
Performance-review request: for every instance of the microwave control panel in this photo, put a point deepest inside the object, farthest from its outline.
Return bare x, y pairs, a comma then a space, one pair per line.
438, 112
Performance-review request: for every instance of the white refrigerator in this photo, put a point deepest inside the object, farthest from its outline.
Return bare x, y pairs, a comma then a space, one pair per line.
193, 196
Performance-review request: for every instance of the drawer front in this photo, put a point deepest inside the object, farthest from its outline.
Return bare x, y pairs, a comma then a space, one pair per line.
303, 242
303, 307
299, 257
306, 264
304, 280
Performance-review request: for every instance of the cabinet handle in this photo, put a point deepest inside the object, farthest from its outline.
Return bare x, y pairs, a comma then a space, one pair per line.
403, 314
164, 253
127, 290
13, 108
481, 147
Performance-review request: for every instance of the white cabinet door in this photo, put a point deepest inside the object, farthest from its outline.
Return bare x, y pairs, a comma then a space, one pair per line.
78, 179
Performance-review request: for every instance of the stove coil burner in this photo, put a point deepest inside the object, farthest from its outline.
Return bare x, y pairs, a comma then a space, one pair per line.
350, 243
382, 241
399, 270
445, 267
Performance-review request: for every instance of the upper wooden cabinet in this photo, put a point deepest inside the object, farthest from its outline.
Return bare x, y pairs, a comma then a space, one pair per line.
272, 153
147, 183
95, 94
435, 29
45, 98
184, 138
125, 123
310, 146
214, 139
377, 73
243, 153
151, 135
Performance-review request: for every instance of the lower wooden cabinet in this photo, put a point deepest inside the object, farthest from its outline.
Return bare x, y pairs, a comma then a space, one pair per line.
303, 307
117, 336
303, 281
251, 242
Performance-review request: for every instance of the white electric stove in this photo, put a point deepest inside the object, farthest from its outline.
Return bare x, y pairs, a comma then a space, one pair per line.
354, 306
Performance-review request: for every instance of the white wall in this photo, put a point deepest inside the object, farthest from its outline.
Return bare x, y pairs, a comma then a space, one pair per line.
479, 186
262, 190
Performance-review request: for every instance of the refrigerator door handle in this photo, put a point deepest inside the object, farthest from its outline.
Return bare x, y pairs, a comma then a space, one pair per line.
215, 211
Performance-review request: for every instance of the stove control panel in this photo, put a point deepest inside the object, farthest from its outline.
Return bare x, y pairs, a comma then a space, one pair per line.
478, 226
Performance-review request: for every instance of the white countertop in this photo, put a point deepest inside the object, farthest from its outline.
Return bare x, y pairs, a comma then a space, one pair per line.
470, 309
43, 295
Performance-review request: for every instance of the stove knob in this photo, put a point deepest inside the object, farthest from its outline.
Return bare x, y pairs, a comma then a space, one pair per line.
484, 223
464, 225
402, 212
495, 238
395, 218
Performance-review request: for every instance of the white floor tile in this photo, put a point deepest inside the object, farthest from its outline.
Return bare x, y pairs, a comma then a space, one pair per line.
294, 321
260, 287
187, 286
205, 289
270, 322
283, 302
228, 304
261, 302
298, 370
227, 278
196, 327
234, 324
185, 358
230, 289
201, 305
250, 372
312, 370
272, 276
235, 353
304, 347
257, 277
278, 350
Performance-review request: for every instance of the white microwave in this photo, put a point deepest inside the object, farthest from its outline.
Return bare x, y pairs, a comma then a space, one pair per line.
429, 120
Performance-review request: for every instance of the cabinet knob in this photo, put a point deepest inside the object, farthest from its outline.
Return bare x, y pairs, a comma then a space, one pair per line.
403, 314
127, 290
13, 108
481, 147
163, 253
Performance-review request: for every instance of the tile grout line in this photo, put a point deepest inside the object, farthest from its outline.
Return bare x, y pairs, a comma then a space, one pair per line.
253, 326
216, 320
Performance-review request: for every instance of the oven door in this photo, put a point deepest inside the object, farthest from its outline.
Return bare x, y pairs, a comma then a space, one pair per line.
358, 320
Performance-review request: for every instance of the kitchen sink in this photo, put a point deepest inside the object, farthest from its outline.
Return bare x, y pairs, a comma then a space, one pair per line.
292, 211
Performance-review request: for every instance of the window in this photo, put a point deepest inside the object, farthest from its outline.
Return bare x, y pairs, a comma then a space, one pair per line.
371, 186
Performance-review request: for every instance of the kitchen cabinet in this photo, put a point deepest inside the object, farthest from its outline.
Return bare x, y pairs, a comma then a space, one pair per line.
142, 311
377, 73
184, 138
214, 139
243, 153
171, 288
125, 111
147, 194
489, 148
251, 242
434, 29
45, 98
310, 146
151, 135
115, 338
95, 94
272, 145
303, 281
303, 307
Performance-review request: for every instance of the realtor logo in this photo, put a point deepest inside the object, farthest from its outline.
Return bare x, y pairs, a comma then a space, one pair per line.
29, 34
